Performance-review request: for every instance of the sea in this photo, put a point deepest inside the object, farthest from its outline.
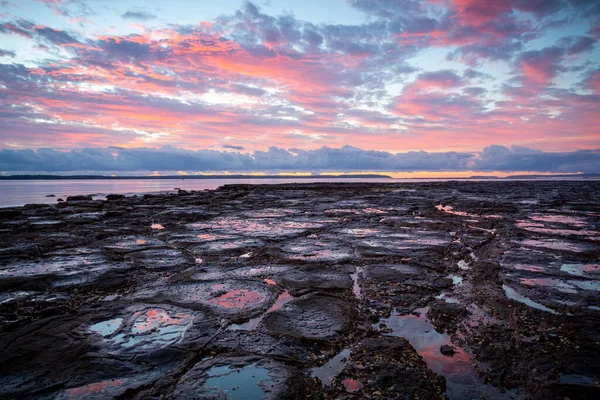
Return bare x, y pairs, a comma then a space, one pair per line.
47, 191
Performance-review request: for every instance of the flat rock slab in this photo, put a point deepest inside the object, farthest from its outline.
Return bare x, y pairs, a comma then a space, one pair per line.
160, 258
313, 278
187, 294
312, 317
60, 270
128, 244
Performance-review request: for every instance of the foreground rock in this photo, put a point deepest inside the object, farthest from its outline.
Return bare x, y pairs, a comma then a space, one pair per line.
425, 290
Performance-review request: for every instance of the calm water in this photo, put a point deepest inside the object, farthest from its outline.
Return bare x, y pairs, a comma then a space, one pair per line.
18, 193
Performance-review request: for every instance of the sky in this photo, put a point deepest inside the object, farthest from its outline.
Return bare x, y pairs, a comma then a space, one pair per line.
306, 85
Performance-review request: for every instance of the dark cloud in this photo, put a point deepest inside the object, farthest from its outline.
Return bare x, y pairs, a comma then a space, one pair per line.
43, 34
347, 158
232, 147
247, 90
138, 15
500, 158
55, 36
7, 53
577, 44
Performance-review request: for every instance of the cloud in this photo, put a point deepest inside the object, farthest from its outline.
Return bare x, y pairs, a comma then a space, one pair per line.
233, 147
347, 158
138, 15
7, 53
262, 80
500, 158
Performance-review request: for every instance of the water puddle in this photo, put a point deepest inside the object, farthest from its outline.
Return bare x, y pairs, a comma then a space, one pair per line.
580, 269
132, 243
157, 227
361, 232
331, 368
541, 228
104, 389
252, 324
513, 295
257, 228
317, 251
559, 219
463, 265
13, 296
356, 284
270, 213
238, 299
336, 211
462, 381
554, 245
107, 328
151, 329
587, 285
450, 210
551, 283
530, 268
239, 383
456, 280
226, 245
374, 211
351, 385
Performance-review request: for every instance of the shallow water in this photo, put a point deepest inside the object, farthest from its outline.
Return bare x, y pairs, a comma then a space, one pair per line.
331, 368
239, 383
252, 324
513, 295
462, 381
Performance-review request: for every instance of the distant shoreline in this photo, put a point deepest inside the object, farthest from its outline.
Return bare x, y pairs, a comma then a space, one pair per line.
345, 176
79, 177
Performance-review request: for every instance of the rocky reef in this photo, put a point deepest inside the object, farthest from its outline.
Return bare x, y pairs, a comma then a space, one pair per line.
348, 291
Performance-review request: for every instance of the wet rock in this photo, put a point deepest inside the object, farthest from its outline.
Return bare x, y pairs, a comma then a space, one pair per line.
113, 197
9, 214
447, 350
446, 316
79, 198
160, 258
313, 317
388, 367
96, 300
298, 280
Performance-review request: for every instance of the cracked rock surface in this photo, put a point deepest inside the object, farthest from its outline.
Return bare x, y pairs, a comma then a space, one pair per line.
348, 291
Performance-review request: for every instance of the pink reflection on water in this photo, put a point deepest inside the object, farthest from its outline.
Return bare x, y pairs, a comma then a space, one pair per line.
140, 241
270, 281
155, 318
283, 298
450, 210
560, 219
549, 282
93, 388
158, 227
239, 298
530, 268
351, 385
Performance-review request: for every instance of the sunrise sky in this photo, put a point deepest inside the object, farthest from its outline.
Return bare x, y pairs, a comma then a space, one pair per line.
284, 85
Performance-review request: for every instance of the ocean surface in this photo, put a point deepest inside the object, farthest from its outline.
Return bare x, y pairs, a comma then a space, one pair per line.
21, 192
